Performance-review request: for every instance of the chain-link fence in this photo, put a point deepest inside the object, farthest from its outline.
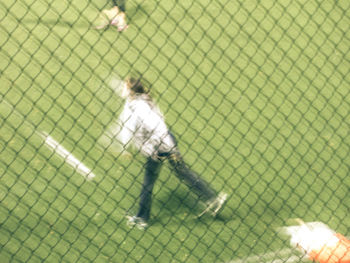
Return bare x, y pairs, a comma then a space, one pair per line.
256, 92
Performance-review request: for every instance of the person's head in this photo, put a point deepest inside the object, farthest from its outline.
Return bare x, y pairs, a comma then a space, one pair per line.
133, 86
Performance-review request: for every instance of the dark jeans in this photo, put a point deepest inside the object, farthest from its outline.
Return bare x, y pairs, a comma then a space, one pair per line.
120, 4
152, 166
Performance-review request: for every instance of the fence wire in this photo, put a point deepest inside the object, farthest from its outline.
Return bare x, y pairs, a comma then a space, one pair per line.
255, 92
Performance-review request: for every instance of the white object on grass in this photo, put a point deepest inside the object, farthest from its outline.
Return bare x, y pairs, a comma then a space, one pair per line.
312, 236
319, 242
68, 157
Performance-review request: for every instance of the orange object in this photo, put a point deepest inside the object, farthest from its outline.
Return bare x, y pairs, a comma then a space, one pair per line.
340, 253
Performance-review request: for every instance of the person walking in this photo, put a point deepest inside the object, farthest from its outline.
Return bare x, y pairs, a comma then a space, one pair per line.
143, 126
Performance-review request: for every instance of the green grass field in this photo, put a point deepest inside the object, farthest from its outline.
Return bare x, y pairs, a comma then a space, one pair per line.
257, 93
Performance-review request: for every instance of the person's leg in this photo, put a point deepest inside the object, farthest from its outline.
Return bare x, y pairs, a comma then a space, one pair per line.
120, 4
193, 180
152, 172
213, 202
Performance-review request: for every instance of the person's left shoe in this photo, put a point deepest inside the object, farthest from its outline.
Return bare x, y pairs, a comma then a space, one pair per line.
215, 205
119, 21
112, 17
135, 221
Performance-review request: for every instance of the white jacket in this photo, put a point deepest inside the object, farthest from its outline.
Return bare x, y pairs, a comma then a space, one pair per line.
143, 126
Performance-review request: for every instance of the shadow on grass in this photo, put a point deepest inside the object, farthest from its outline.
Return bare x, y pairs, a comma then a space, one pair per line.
185, 205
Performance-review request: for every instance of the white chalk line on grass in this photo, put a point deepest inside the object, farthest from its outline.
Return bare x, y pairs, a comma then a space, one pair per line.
54, 145
280, 256
107, 140
68, 157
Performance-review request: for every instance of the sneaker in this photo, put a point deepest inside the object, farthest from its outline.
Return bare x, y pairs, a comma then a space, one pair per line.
139, 222
119, 21
215, 205
112, 17
105, 17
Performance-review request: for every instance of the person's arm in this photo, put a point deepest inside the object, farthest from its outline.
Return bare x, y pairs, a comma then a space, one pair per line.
128, 123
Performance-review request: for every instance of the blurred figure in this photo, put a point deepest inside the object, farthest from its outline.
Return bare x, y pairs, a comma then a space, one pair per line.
143, 126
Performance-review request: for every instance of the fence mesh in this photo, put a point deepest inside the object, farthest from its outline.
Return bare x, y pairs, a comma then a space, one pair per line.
256, 92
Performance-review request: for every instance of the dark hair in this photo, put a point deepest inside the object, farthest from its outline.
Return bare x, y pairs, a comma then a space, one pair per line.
136, 86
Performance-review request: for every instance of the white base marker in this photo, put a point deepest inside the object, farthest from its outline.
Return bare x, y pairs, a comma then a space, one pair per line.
318, 241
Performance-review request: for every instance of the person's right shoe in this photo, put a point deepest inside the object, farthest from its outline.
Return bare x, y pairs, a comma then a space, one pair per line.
135, 221
215, 205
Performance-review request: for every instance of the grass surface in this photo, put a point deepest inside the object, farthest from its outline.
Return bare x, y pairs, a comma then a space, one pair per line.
257, 93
